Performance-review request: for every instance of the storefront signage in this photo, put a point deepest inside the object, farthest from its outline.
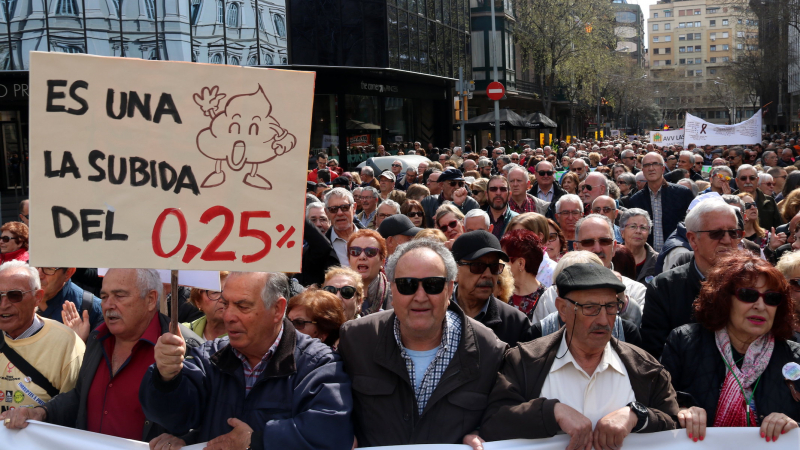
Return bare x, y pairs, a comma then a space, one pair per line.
382, 88
362, 140
192, 167
14, 88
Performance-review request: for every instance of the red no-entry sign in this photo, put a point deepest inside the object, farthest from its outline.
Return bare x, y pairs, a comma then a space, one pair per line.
495, 90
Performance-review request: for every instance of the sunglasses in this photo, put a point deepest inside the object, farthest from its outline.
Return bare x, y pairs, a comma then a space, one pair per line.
355, 252
746, 178
431, 285
605, 242
723, 177
299, 324
415, 214
478, 267
397, 165
6, 239
14, 296
604, 210
342, 208
588, 187
731, 158
545, 173
498, 188
749, 295
719, 234
750, 205
447, 226
456, 183
347, 291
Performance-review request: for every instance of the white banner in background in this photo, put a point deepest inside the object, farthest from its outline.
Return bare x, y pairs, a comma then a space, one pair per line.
43, 436
666, 137
700, 132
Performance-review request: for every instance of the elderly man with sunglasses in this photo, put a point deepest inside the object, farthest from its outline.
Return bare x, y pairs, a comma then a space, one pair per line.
452, 185
768, 214
545, 386
340, 208
422, 371
545, 188
712, 230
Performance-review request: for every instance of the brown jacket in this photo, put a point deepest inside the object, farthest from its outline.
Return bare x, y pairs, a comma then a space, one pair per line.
384, 406
516, 412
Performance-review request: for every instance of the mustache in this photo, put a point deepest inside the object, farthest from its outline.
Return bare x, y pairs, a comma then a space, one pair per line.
485, 283
112, 315
605, 328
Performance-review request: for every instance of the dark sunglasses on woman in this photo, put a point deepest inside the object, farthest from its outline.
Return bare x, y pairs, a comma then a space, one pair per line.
299, 324
7, 238
749, 295
445, 227
415, 214
347, 291
371, 252
431, 285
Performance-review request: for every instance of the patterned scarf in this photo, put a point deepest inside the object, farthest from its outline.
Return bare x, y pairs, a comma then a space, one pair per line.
379, 296
527, 303
732, 407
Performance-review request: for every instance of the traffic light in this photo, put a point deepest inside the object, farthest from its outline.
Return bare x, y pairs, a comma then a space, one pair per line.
457, 106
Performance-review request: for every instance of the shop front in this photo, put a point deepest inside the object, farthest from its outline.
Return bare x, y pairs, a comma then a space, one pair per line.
14, 96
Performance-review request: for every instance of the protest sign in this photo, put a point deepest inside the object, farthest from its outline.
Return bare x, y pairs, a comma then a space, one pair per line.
666, 137
167, 165
44, 436
200, 279
700, 132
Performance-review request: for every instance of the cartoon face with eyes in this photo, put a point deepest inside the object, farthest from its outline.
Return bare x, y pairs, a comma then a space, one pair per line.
244, 132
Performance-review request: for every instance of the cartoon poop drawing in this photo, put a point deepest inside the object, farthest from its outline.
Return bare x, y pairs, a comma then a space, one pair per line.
244, 132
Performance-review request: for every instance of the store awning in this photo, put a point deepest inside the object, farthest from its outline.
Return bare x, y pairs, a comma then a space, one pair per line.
508, 119
539, 120
358, 125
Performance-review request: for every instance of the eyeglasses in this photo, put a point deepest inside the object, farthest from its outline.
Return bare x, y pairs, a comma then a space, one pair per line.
749, 205
384, 216
589, 187
14, 296
545, 173
649, 165
415, 214
553, 237
342, 208
768, 183
8, 238
397, 165
622, 182
366, 197
723, 177
642, 228
498, 188
478, 267
456, 183
593, 309
332, 164
371, 252
299, 324
749, 295
213, 295
605, 242
604, 209
431, 285
746, 178
347, 291
570, 213
794, 283
445, 227
50, 270
731, 158
719, 234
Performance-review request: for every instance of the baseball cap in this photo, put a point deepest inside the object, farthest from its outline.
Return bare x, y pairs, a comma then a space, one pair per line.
396, 225
451, 174
471, 246
388, 174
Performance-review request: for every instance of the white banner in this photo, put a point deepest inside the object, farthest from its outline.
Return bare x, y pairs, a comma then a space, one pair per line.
666, 137
700, 132
43, 436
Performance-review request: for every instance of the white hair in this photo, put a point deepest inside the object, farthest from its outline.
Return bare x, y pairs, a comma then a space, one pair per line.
639, 176
568, 198
745, 167
476, 213
688, 154
762, 177
451, 270
634, 212
694, 219
32, 272
391, 203
338, 193
367, 170
149, 280
276, 286
601, 217
314, 205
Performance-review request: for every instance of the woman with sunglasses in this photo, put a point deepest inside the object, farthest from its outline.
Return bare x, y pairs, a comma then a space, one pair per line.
211, 325
347, 285
366, 251
735, 367
14, 242
317, 313
450, 221
570, 182
752, 230
414, 211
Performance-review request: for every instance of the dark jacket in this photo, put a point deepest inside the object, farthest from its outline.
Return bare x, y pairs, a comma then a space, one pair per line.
69, 409
632, 335
648, 269
698, 372
73, 293
432, 202
509, 324
516, 410
558, 191
675, 200
768, 213
675, 240
302, 399
385, 409
318, 256
668, 305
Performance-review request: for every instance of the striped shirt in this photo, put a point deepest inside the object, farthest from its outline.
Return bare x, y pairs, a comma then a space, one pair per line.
37, 325
658, 231
251, 374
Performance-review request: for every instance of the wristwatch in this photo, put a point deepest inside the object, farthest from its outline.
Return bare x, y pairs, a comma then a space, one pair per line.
641, 413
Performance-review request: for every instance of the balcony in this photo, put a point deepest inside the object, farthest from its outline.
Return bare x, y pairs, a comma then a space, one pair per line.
526, 87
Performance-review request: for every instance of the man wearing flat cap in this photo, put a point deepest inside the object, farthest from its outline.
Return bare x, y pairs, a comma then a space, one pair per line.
451, 182
397, 229
478, 255
545, 386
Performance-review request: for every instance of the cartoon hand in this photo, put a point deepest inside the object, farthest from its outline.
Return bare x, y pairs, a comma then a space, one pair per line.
284, 144
208, 100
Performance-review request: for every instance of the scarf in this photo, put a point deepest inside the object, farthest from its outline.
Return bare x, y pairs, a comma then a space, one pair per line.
527, 303
379, 296
732, 407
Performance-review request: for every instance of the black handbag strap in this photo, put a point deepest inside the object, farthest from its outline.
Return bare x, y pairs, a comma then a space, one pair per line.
28, 369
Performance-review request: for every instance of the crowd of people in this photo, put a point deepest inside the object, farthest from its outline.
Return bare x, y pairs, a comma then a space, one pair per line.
593, 289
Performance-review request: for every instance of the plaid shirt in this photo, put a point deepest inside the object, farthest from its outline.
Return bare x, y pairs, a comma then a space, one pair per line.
529, 205
658, 231
251, 374
451, 336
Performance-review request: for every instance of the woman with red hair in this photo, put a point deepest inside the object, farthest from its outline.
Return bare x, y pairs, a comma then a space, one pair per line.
367, 252
318, 314
525, 253
14, 242
736, 366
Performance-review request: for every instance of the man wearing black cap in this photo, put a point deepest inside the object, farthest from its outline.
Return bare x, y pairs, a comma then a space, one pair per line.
547, 383
478, 254
397, 230
452, 185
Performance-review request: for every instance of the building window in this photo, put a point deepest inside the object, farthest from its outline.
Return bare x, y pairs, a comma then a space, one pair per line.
724, 35
655, 38
116, 7
280, 25
8, 8
725, 59
712, 48
681, 61
682, 25
712, 59
681, 37
195, 11
713, 36
712, 71
712, 23
234, 61
667, 26
220, 12
739, 46
72, 49
655, 15
252, 61
625, 17
655, 27
697, 48
690, 49
667, 38
216, 58
268, 60
233, 15
697, 25
150, 9
697, 36
725, 47
698, 73
712, 10
689, 24
261, 24
696, 12
67, 7
724, 22
667, 13
681, 49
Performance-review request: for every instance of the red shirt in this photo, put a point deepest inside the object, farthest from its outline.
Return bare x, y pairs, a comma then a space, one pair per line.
113, 406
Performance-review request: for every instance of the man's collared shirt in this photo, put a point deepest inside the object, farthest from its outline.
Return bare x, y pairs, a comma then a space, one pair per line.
546, 196
251, 374
480, 315
368, 220
35, 327
112, 406
529, 205
606, 390
340, 247
451, 336
658, 231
